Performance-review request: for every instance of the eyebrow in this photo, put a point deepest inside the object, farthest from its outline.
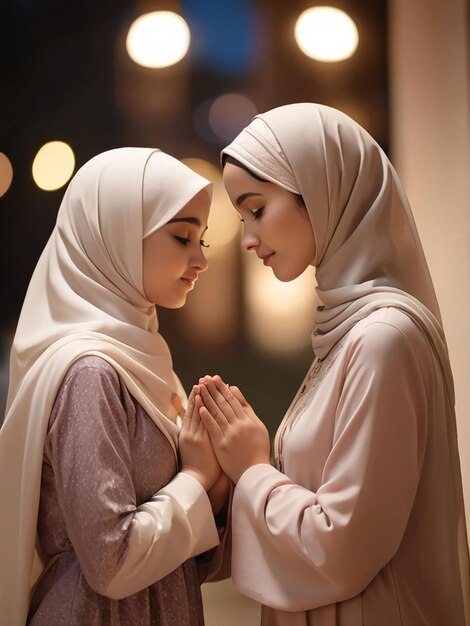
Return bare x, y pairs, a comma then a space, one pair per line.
189, 220
246, 195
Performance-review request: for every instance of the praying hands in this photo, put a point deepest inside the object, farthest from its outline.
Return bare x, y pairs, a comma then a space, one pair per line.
239, 437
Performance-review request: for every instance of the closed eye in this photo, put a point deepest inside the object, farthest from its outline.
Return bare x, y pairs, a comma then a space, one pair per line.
185, 240
182, 240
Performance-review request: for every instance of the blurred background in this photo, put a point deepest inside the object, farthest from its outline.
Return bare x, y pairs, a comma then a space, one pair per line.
80, 78
68, 76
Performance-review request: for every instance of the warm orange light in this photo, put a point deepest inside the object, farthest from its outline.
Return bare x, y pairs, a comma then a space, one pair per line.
279, 315
6, 174
53, 165
158, 39
326, 34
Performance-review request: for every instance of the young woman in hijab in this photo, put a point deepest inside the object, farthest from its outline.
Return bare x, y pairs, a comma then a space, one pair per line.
89, 446
361, 521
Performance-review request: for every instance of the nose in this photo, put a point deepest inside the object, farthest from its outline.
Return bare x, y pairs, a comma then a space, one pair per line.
249, 239
199, 262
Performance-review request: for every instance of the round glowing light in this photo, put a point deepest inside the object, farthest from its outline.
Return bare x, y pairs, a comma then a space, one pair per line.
272, 305
224, 223
6, 174
326, 34
53, 165
229, 113
158, 39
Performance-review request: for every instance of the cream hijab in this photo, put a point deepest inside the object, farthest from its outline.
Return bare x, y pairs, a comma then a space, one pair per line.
368, 252
86, 296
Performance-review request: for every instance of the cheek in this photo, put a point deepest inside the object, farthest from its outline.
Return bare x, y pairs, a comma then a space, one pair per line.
154, 270
307, 243
296, 238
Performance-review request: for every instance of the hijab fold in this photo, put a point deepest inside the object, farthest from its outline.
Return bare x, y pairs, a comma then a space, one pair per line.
368, 252
86, 296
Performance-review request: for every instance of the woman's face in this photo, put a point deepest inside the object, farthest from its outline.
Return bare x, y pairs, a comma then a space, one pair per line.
173, 256
275, 225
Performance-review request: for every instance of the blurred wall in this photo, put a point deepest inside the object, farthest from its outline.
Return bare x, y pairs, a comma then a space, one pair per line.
429, 91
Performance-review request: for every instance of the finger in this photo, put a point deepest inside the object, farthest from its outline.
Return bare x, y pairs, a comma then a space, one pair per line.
211, 425
233, 388
218, 377
189, 411
217, 402
195, 392
213, 409
190, 406
198, 424
205, 379
236, 406
244, 403
195, 417
239, 396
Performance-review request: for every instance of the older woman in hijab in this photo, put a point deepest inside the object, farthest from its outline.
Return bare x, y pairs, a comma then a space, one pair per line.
361, 521
89, 447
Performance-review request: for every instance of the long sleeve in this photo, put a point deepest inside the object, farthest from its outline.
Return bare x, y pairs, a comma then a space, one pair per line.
301, 545
122, 545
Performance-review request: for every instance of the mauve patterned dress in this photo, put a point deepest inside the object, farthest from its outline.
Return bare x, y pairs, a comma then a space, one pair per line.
103, 457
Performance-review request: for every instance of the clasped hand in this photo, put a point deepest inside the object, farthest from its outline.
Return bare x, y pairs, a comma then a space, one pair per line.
197, 455
239, 438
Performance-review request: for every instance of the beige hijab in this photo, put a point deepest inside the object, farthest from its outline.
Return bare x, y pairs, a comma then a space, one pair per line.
86, 297
368, 252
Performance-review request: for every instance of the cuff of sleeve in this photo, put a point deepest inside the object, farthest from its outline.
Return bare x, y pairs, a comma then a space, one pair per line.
193, 499
258, 480
257, 471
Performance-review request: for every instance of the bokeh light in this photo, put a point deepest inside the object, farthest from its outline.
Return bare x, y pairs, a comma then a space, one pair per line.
158, 39
229, 113
6, 174
279, 316
218, 120
53, 165
326, 34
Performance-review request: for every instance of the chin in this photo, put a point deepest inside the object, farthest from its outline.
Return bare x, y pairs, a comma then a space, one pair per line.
173, 304
286, 276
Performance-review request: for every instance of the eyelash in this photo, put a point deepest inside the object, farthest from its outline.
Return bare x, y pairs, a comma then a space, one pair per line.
255, 214
184, 241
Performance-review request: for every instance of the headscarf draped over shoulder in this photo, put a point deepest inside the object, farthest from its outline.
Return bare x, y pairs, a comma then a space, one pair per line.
86, 296
368, 252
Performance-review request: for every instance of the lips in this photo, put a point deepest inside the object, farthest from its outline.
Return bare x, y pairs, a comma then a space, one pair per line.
190, 280
266, 258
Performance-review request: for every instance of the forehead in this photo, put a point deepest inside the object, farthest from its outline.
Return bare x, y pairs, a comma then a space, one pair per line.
238, 182
234, 176
240, 186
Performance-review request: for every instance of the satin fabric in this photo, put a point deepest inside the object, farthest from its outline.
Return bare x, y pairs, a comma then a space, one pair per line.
368, 253
86, 297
